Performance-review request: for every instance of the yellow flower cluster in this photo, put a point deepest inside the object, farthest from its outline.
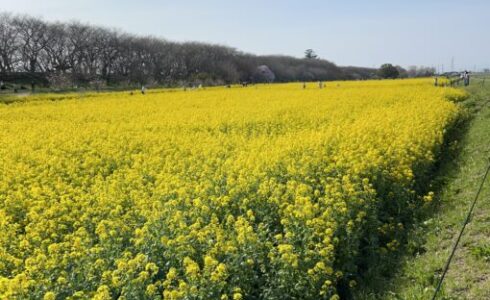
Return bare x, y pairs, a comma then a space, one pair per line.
256, 192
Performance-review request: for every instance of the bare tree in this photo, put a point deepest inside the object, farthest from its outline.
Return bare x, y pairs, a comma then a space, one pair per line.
56, 49
33, 41
109, 52
9, 43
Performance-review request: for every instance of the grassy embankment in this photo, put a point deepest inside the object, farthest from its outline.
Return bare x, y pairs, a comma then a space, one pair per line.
458, 179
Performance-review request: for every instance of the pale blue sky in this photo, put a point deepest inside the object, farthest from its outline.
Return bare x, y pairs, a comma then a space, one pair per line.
363, 33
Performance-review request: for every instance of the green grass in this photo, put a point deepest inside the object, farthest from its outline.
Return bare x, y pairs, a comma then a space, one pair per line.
456, 183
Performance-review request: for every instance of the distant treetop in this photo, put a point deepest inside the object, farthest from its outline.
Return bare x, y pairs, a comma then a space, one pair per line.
310, 54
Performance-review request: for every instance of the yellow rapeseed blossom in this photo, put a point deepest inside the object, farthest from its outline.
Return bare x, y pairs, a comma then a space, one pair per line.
215, 193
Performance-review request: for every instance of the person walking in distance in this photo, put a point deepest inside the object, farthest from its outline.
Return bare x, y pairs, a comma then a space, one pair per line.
466, 78
143, 89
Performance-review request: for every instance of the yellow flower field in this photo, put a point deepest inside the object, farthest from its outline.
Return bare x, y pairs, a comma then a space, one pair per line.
269, 191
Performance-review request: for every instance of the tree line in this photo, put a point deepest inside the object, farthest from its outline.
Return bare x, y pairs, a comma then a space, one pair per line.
76, 54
